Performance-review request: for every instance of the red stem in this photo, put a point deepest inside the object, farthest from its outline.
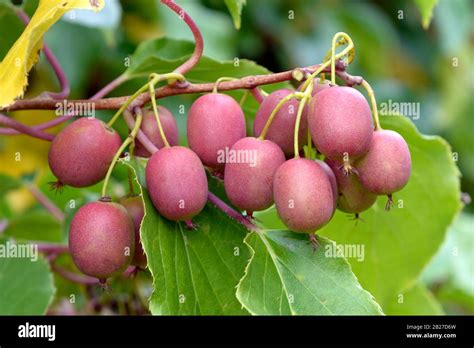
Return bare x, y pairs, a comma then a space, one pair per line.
46, 203
257, 94
20, 127
198, 40
73, 277
142, 138
231, 212
109, 87
51, 248
38, 127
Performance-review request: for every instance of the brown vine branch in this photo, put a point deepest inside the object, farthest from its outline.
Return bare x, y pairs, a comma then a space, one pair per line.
248, 82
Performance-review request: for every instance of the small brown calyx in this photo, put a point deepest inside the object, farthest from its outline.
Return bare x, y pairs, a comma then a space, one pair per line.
105, 199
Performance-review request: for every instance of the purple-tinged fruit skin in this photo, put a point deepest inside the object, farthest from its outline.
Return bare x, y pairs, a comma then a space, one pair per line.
303, 195
353, 197
249, 186
386, 167
340, 122
332, 179
215, 121
281, 130
150, 128
101, 239
134, 206
81, 153
177, 183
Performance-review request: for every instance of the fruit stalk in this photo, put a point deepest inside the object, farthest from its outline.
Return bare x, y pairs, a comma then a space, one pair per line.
306, 97
130, 138
157, 116
144, 140
373, 102
222, 79
350, 46
331, 62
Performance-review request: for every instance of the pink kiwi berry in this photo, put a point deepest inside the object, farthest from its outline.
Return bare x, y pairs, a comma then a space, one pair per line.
281, 130
101, 239
340, 123
134, 206
177, 183
303, 195
215, 122
352, 196
386, 167
150, 128
249, 173
332, 179
81, 153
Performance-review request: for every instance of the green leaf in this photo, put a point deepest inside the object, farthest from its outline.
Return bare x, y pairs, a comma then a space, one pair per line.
426, 9
452, 269
286, 276
165, 55
235, 9
26, 284
195, 272
399, 244
34, 225
415, 301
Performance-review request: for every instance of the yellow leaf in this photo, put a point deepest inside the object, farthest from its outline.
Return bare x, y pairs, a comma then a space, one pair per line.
25, 52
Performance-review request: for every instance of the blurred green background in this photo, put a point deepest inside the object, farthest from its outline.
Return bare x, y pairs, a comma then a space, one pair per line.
403, 61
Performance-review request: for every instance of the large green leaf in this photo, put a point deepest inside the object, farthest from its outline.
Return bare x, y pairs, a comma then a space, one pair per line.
194, 271
26, 284
400, 243
415, 301
286, 276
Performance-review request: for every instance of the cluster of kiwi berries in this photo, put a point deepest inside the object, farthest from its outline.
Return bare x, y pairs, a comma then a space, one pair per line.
360, 162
